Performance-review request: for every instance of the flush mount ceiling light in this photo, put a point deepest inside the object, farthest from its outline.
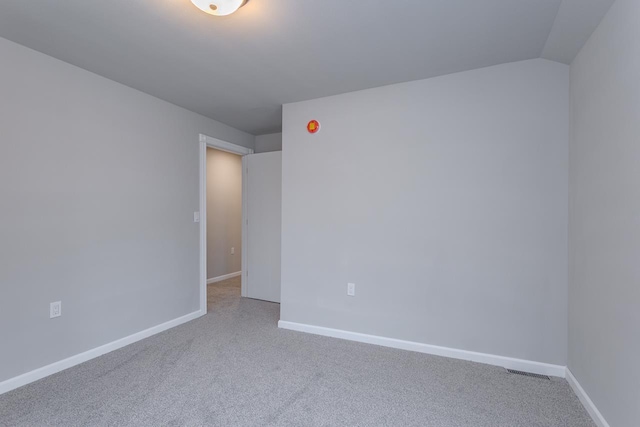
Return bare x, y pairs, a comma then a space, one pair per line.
219, 7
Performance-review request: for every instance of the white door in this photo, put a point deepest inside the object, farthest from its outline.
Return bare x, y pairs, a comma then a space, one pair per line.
264, 212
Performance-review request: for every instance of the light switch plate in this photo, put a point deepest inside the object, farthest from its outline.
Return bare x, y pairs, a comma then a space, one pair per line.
196, 217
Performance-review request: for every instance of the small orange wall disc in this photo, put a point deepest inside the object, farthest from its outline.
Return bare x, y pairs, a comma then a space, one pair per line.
313, 126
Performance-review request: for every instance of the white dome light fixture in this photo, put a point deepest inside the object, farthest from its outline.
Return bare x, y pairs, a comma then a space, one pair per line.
219, 7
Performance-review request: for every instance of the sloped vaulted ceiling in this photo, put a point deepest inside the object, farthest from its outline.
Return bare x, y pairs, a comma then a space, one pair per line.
240, 69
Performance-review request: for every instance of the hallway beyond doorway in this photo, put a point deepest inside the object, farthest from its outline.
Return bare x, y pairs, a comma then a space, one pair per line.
225, 292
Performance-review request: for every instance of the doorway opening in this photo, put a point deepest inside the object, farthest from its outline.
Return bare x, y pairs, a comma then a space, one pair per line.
222, 219
258, 250
224, 225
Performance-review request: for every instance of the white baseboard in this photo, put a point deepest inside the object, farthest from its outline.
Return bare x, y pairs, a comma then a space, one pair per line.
223, 277
489, 359
586, 401
29, 377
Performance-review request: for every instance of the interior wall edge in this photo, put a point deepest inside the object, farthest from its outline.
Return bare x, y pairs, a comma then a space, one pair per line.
585, 400
223, 277
435, 350
69, 362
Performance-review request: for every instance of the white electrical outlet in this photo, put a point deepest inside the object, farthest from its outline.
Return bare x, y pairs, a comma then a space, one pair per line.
55, 309
351, 289
233, 251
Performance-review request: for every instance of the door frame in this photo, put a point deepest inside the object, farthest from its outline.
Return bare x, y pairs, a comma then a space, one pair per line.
218, 144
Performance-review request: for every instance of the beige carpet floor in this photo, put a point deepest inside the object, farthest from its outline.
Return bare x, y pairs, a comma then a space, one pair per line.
226, 292
234, 367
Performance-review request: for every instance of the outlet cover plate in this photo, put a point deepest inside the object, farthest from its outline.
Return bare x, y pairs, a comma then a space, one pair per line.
351, 289
55, 309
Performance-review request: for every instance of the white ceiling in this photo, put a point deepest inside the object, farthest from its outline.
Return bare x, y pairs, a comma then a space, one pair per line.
240, 69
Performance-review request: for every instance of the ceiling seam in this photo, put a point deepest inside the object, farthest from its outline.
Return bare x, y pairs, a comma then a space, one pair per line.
546, 42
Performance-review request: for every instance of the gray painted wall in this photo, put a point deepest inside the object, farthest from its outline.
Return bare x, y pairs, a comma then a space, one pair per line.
604, 239
224, 212
99, 183
444, 201
269, 142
